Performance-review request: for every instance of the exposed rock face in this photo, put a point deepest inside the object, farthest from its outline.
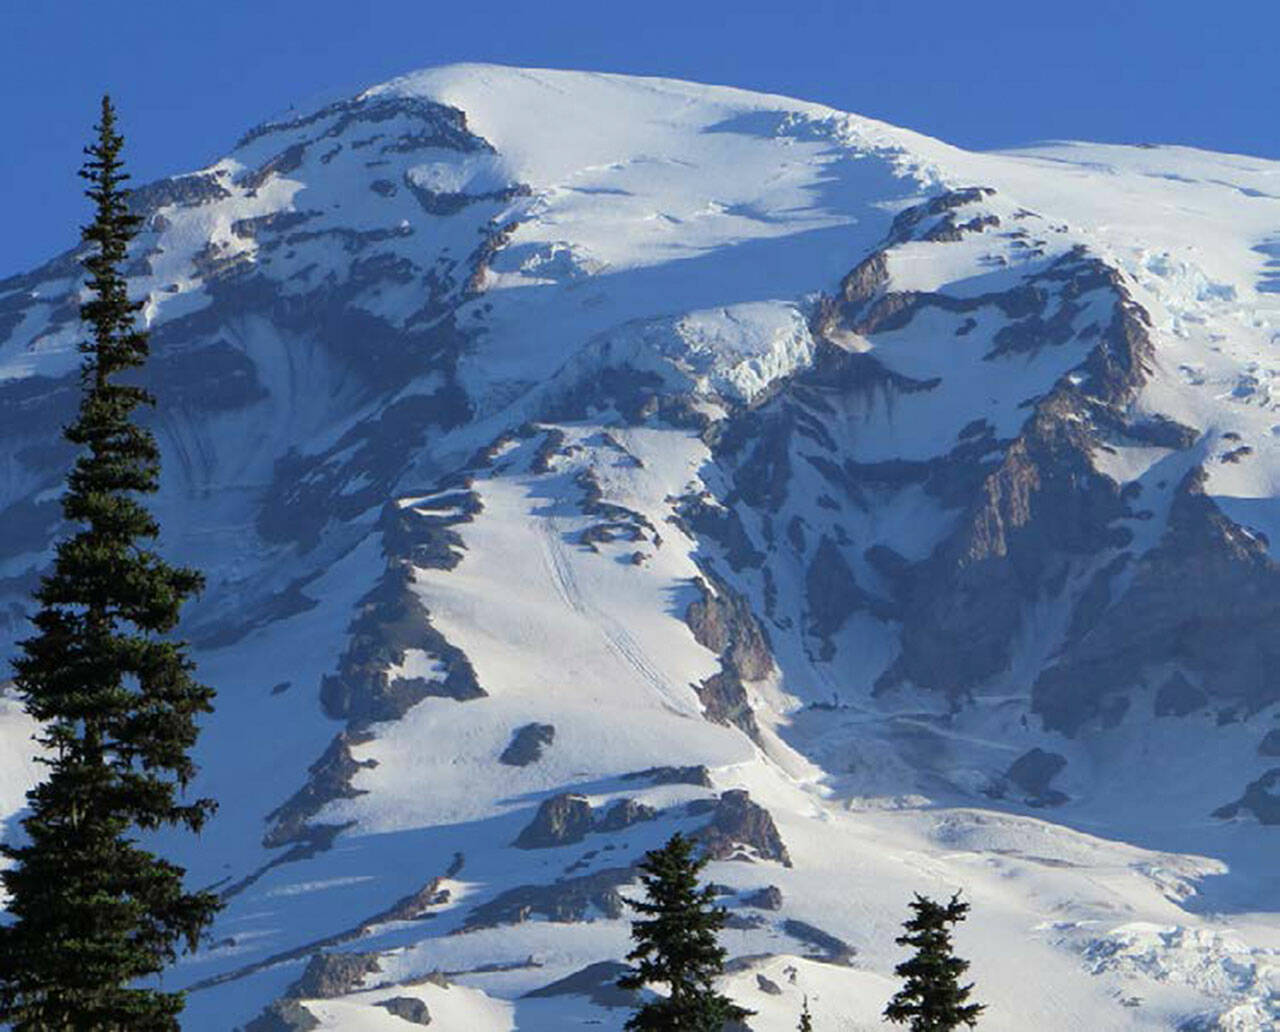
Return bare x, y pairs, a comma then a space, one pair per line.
722, 621
1033, 771
597, 982
768, 985
329, 975
560, 821
1158, 621
1261, 798
1177, 697
724, 700
768, 898
392, 621
697, 775
1043, 506
831, 592
284, 1016
408, 1008
737, 821
330, 779
1270, 745
568, 900
828, 947
526, 745
623, 814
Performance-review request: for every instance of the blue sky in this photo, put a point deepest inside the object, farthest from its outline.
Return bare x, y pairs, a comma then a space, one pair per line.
190, 77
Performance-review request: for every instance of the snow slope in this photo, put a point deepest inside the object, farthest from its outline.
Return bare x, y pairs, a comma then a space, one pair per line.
576, 458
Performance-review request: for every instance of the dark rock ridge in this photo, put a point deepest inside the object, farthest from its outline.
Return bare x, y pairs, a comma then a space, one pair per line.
284, 1016
330, 779
329, 975
565, 901
722, 620
526, 745
1158, 622
392, 620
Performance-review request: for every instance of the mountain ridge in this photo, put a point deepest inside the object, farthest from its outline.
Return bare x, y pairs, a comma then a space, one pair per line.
826, 490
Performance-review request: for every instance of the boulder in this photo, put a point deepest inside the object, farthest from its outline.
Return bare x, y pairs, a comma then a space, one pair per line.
560, 821
526, 745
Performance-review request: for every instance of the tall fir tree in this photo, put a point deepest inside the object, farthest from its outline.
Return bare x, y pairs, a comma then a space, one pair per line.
806, 1019
932, 998
676, 946
95, 913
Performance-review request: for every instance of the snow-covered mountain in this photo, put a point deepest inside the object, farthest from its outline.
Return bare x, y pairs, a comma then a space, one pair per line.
576, 458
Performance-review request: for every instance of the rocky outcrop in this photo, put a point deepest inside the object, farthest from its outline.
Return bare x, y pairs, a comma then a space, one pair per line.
741, 829
568, 900
284, 1016
831, 593
1177, 697
407, 1008
624, 813
697, 775
329, 975
826, 947
1158, 622
392, 620
526, 745
722, 621
560, 821
724, 701
1261, 798
330, 779
1032, 773
768, 986
597, 982
768, 898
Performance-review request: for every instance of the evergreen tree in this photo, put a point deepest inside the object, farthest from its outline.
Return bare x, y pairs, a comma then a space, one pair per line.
932, 998
675, 945
806, 1019
94, 912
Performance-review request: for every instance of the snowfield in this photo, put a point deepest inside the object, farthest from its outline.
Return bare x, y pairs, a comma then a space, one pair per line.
578, 458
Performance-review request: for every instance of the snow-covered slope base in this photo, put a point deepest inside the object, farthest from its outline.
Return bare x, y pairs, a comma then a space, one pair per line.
578, 458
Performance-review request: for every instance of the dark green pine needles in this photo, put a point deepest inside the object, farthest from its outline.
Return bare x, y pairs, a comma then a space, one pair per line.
932, 998
676, 946
94, 913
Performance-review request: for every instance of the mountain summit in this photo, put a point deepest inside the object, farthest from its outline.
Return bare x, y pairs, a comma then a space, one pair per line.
579, 458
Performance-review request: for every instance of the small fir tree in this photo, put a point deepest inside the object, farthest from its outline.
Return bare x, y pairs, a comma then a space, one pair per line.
932, 998
676, 946
806, 1020
94, 912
